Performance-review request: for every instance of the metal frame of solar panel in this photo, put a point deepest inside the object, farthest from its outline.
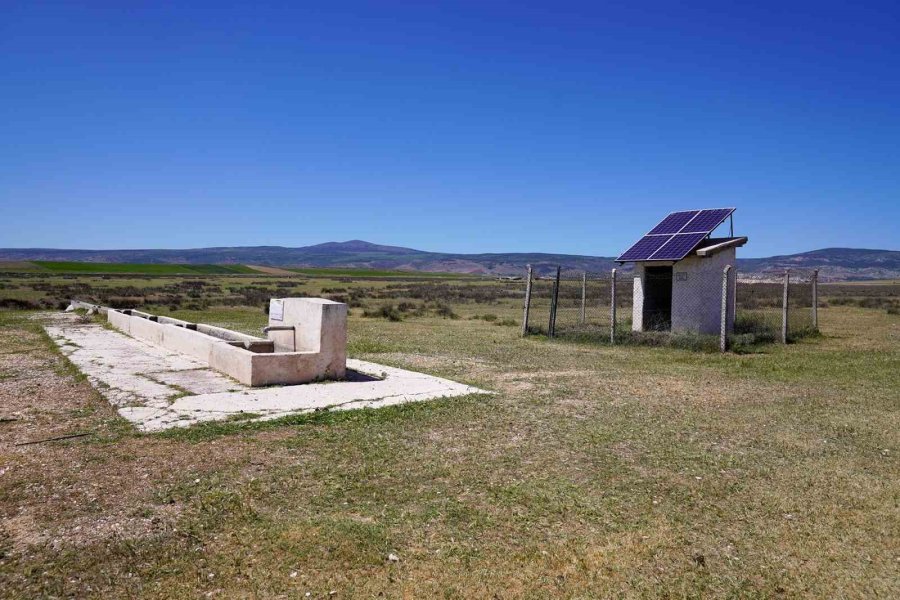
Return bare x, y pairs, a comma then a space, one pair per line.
677, 235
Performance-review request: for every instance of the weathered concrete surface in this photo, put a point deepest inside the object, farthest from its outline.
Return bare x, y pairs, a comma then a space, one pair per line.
157, 389
309, 342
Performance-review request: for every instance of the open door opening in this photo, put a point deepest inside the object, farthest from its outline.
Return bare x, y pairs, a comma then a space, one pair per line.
657, 298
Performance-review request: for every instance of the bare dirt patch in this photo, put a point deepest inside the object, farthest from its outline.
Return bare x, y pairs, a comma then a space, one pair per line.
109, 485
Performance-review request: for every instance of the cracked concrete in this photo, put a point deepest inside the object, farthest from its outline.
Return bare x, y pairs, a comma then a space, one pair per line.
157, 389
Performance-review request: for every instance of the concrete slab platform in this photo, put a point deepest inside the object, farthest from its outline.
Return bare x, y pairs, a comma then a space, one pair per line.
156, 389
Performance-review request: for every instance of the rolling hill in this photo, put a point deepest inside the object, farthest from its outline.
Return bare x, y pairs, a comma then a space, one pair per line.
836, 264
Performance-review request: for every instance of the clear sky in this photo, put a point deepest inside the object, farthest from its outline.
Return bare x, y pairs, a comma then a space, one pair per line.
465, 127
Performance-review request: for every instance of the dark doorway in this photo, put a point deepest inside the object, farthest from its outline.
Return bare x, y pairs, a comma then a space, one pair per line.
657, 298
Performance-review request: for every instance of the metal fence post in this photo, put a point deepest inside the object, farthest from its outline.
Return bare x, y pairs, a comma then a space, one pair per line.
612, 307
554, 300
784, 307
815, 300
723, 331
527, 302
583, 294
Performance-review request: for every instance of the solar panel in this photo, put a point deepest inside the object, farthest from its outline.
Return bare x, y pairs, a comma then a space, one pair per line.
677, 235
674, 222
645, 247
678, 246
707, 220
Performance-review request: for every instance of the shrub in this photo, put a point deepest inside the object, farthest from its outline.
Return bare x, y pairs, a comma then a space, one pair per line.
490, 318
18, 304
386, 311
444, 310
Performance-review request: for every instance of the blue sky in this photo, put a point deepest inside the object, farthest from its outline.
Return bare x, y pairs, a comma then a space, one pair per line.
462, 127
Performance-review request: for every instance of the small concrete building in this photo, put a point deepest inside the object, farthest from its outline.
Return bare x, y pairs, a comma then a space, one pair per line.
678, 274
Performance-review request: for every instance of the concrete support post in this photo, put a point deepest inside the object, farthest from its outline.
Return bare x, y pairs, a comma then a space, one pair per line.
734, 291
784, 307
612, 307
723, 331
815, 300
554, 301
528, 281
583, 294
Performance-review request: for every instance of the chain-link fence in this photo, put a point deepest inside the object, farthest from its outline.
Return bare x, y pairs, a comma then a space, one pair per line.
653, 304
577, 304
761, 311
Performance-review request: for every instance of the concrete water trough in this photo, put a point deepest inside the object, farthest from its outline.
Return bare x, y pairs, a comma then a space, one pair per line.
306, 341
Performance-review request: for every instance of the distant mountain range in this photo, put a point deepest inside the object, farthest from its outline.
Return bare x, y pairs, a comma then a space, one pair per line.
836, 264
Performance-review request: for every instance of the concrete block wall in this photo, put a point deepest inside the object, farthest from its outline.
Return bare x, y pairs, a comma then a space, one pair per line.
637, 306
697, 294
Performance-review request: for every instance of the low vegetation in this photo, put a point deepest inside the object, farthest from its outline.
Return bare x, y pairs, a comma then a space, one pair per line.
142, 269
594, 470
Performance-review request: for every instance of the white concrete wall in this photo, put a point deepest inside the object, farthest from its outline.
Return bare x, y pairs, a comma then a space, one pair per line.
637, 310
697, 293
167, 335
321, 338
233, 361
320, 326
119, 320
188, 341
147, 330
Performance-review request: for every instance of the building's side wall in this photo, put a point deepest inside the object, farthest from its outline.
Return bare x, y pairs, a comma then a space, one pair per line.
637, 310
697, 294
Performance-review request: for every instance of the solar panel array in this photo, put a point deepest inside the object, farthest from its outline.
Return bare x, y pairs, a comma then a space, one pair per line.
677, 235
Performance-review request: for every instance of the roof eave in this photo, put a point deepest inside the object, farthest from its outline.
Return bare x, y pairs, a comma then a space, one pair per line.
732, 243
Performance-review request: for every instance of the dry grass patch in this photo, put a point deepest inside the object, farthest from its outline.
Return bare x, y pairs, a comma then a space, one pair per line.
594, 472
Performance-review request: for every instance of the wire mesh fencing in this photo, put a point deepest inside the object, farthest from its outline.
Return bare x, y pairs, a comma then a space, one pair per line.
778, 306
696, 307
574, 304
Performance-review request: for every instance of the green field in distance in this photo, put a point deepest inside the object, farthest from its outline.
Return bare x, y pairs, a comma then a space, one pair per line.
143, 269
346, 272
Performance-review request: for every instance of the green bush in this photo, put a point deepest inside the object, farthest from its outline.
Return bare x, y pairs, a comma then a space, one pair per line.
490, 318
444, 310
386, 311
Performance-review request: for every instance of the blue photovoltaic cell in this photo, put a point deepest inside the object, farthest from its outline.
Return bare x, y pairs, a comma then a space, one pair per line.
645, 247
677, 235
678, 246
707, 220
674, 222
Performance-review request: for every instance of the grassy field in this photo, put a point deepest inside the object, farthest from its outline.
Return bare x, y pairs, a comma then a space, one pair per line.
86, 268
141, 269
595, 471
368, 273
